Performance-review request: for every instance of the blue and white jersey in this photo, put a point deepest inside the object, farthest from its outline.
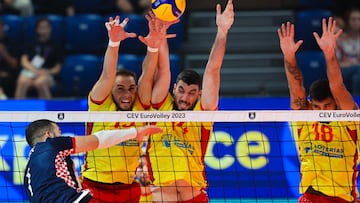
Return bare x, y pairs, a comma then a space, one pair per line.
50, 174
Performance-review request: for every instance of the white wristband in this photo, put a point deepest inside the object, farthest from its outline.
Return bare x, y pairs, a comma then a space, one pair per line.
150, 49
114, 44
108, 138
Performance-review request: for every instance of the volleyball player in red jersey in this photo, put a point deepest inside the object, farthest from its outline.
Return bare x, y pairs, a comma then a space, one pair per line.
328, 150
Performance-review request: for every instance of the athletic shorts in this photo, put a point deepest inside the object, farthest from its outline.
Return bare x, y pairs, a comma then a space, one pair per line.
112, 192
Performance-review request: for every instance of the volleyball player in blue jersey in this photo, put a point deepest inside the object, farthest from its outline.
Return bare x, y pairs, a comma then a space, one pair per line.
50, 175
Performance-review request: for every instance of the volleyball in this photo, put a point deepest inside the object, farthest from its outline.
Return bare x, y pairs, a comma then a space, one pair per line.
168, 10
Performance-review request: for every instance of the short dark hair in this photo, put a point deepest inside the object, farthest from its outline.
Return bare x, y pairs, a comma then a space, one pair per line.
320, 90
126, 73
37, 129
190, 77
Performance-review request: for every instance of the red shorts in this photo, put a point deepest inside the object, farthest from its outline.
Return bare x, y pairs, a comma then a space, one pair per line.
201, 198
114, 193
314, 198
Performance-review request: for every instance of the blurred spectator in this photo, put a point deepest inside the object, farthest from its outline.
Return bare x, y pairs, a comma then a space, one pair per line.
340, 6
2, 94
25, 7
133, 6
340, 22
348, 51
7, 7
58, 7
41, 62
9, 67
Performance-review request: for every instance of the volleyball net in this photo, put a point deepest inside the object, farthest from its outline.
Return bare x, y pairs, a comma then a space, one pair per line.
250, 156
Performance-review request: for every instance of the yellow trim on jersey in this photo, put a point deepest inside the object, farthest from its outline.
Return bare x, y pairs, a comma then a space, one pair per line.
146, 198
117, 163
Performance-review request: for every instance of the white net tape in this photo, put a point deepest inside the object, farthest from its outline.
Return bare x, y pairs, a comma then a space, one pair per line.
184, 116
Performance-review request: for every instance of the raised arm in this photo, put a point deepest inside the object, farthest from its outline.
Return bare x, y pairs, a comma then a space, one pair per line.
327, 43
108, 138
293, 73
152, 81
116, 33
211, 77
162, 76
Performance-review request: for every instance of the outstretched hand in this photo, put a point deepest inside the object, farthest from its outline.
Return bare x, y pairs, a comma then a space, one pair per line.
116, 30
287, 43
225, 19
157, 31
327, 42
143, 132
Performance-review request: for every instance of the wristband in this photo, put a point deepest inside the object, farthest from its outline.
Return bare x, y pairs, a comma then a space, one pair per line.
150, 49
113, 44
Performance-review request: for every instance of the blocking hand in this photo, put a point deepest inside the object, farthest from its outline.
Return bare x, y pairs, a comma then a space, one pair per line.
287, 44
157, 31
327, 42
225, 19
116, 30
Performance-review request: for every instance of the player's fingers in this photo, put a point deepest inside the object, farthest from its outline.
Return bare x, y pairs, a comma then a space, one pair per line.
333, 28
170, 36
292, 30
142, 39
148, 17
107, 25
218, 9
124, 22
111, 21
155, 24
283, 30
298, 44
154, 129
152, 15
229, 5
288, 28
279, 33
340, 31
131, 35
324, 27
330, 24
317, 37
117, 21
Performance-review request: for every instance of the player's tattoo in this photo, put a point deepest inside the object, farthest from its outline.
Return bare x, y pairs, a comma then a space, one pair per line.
300, 102
294, 70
